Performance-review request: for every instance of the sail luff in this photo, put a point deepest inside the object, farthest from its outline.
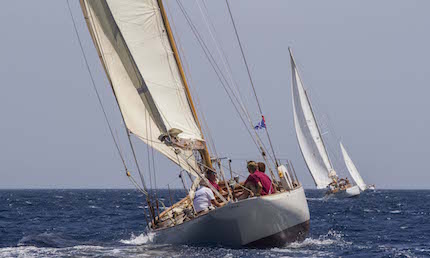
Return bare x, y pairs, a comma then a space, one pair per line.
353, 171
205, 153
323, 150
93, 37
318, 128
307, 132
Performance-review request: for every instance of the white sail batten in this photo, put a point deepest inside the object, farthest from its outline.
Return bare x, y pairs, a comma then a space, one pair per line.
308, 135
135, 50
352, 169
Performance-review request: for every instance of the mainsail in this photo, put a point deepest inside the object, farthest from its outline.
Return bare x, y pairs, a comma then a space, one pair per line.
308, 134
352, 169
137, 54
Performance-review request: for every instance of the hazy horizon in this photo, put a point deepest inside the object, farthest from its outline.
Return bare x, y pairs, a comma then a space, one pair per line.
364, 63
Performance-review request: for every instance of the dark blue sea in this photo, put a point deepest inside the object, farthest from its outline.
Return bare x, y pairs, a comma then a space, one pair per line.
110, 223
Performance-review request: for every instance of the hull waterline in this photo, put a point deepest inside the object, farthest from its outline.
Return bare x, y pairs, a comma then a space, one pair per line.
259, 221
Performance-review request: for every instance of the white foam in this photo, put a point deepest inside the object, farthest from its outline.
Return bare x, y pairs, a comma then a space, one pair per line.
311, 241
315, 199
140, 239
331, 238
395, 212
75, 251
27, 251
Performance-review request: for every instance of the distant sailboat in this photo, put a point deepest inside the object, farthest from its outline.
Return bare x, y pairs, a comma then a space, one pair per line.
312, 144
136, 47
354, 171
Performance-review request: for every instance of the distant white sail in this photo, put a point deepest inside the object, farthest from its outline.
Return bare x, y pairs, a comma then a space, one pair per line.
134, 47
308, 134
352, 169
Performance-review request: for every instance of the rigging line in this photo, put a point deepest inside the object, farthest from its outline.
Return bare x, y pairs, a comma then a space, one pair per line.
95, 88
228, 68
153, 162
102, 107
133, 181
147, 120
235, 171
245, 110
250, 79
218, 72
213, 66
221, 52
260, 146
102, 56
191, 83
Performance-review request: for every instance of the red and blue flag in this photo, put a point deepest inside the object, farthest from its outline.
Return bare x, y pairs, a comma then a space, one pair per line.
261, 124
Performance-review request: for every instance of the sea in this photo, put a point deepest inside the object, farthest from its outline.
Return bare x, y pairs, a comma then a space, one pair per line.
111, 223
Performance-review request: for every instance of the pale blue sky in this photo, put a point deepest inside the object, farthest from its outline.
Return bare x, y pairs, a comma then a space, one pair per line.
365, 63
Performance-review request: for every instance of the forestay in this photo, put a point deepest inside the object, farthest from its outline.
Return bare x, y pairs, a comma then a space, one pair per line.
352, 169
134, 47
308, 135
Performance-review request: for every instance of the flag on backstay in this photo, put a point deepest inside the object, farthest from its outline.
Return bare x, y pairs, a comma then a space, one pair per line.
261, 124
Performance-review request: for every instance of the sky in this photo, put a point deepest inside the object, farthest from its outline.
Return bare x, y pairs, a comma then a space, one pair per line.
365, 65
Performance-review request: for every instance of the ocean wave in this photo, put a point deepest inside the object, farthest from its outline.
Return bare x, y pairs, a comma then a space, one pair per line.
141, 239
45, 240
395, 212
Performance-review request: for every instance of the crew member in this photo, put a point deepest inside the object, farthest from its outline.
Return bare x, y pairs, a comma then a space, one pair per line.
258, 182
204, 199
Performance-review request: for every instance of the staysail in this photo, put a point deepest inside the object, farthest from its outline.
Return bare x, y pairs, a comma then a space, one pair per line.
134, 47
352, 169
308, 134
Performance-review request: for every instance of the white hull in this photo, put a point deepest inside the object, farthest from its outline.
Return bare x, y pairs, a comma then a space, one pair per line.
349, 192
259, 221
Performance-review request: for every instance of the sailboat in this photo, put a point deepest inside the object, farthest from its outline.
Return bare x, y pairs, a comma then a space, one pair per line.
311, 142
353, 171
139, 54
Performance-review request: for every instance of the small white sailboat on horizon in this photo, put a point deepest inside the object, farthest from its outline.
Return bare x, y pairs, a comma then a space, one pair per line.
311, 142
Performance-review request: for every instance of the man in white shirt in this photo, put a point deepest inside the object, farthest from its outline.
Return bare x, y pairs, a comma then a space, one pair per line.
205, 200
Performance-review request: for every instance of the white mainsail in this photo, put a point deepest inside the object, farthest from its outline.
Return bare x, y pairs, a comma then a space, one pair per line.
134, 47
352, 169
308, 134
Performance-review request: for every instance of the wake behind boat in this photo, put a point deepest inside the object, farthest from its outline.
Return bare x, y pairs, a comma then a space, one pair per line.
311, 142
136, 47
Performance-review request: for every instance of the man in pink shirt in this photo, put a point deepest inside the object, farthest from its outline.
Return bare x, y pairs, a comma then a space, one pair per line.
258, 182
211, 176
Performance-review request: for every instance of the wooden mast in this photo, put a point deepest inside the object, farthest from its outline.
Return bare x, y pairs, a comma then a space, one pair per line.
204, 153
